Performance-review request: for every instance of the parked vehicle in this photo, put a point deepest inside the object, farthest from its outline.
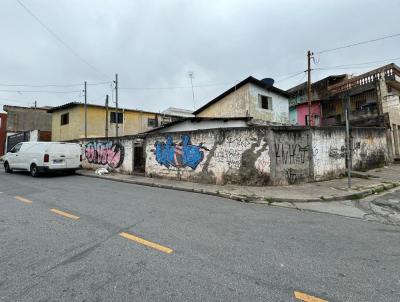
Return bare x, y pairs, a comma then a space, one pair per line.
41, 157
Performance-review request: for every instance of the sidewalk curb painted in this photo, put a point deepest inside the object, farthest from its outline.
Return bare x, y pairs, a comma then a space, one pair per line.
251, 198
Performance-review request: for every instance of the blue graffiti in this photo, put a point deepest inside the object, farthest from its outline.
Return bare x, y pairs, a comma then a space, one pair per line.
184, 154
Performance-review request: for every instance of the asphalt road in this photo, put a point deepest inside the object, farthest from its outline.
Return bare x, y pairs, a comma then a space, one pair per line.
209, 248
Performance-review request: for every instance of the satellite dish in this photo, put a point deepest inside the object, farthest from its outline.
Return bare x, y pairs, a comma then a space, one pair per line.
268, 82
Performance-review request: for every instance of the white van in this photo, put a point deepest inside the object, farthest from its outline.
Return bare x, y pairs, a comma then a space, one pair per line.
40, 157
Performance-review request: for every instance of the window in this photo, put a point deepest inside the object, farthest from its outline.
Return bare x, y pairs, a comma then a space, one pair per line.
316, 120
265, 102
16, 148
64, 119
307, 120
114, 116
151, 122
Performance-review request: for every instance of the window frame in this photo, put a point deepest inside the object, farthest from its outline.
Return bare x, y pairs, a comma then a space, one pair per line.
262, 98
151, 119
116, 117
62, 121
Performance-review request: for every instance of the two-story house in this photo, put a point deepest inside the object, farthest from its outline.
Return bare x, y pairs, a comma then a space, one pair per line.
68, 121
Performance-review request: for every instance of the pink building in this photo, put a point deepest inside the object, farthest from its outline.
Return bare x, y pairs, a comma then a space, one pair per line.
302, 114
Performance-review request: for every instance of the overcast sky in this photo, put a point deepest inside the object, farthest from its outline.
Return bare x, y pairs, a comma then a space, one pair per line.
154, 44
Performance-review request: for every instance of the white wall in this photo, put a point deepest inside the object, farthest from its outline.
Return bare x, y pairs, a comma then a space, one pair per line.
280, 106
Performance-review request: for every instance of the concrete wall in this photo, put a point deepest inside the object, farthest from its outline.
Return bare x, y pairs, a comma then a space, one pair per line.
261, 155
21, 119
114, 153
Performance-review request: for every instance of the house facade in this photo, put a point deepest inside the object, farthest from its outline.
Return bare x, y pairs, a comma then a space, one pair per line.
251, 98
68, 121
320, 93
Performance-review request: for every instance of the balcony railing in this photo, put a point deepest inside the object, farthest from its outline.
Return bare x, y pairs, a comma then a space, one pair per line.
389, 71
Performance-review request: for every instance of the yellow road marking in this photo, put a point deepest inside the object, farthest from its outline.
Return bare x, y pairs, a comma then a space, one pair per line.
23, 199
65, 214
307, 298
146, 243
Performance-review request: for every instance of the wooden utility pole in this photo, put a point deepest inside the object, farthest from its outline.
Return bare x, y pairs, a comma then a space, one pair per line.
116, 105
309, 54
106, 129
85, 110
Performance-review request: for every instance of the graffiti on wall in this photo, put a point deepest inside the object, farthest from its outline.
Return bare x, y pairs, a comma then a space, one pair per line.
105, 153
289, 154
183, 154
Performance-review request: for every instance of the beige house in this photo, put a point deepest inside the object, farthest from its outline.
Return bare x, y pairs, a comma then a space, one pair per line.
251, 98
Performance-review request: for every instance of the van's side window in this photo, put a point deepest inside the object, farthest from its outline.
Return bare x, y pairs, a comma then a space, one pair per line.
65, 119
16, 148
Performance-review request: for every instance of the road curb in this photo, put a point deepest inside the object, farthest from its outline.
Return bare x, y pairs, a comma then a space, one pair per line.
252, 198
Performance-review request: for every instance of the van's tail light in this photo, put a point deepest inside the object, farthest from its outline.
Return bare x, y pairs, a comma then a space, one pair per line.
80, 157
46, 158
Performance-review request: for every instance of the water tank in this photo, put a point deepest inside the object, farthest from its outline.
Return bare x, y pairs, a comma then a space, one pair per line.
268, 82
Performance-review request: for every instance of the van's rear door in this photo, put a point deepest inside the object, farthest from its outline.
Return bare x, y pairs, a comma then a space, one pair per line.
57, 156
73, 154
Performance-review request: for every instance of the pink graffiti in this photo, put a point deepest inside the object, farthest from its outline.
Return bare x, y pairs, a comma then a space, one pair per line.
105, 153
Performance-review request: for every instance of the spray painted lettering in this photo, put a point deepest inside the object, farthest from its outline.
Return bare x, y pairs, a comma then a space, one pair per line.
290, 154
179, 155
105, 153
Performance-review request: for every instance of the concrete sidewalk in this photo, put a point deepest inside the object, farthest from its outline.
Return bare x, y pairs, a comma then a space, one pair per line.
367, 183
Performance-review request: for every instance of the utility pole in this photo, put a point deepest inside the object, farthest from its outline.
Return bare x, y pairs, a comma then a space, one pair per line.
309, 54
85, 110
348, 147
116, 105
106, 116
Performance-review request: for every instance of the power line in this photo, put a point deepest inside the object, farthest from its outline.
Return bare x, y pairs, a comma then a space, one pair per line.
358, 43
39, 91
58, 38
356, 65
52, 85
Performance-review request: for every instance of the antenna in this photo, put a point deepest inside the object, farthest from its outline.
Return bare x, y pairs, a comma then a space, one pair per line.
191, 76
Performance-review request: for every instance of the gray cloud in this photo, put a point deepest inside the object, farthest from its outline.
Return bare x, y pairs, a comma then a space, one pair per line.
155, 44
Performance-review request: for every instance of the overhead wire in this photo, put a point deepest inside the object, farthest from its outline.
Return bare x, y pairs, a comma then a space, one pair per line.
51, 85
358, 43
58, 38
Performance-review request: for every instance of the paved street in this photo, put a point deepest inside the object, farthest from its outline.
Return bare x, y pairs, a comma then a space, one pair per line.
74, 238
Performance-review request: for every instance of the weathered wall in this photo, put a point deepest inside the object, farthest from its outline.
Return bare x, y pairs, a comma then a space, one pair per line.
115, 153
261, 155
25, 119
212, 156
235, 104
280, 106
291, 149
369, 150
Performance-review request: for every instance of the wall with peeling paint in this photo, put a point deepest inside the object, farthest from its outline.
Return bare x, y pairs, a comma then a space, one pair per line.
261, 155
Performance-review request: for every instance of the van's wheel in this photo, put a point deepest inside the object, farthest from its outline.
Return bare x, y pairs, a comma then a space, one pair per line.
7, 167
34, 170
